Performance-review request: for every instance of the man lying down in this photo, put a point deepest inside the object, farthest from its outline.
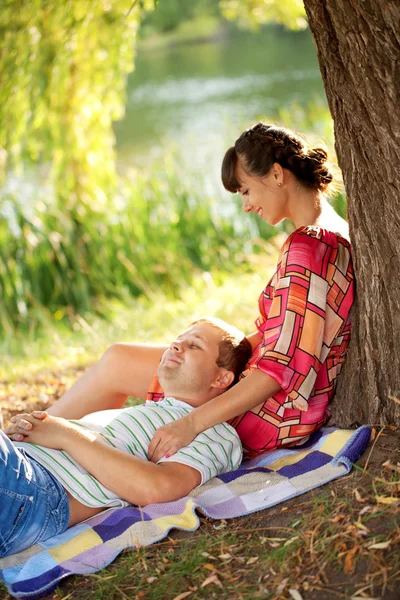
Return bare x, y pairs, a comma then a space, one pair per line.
67, 471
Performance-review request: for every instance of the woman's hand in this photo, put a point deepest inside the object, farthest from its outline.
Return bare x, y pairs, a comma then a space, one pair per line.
21, 426
170, 438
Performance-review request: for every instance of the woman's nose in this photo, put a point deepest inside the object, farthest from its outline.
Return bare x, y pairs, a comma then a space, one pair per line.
246, 204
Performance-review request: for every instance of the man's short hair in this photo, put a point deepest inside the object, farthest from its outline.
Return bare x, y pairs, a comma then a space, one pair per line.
234, 348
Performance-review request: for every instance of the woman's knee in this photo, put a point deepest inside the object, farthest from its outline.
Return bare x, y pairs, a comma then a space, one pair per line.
117, 352
117, 359
132, 366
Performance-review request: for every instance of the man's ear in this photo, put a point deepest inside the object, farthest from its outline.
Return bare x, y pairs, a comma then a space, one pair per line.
224, 380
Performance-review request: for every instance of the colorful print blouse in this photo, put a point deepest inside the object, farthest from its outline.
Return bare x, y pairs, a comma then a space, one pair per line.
304, 327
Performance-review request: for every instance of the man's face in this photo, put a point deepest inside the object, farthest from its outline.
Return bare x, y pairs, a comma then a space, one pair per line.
188, 368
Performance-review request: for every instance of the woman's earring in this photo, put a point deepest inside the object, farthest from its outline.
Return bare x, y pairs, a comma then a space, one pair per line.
279, 183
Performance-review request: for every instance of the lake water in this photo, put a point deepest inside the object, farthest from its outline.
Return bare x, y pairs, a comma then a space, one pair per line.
199, 97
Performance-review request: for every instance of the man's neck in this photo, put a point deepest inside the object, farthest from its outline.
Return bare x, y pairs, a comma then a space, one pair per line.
194, 401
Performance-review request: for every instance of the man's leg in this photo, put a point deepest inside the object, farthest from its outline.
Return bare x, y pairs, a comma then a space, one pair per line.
33, 505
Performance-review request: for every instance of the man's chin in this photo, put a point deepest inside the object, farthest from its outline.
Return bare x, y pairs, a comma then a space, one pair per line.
166, 372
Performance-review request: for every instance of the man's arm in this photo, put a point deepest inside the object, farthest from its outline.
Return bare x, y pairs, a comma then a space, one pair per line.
133, 479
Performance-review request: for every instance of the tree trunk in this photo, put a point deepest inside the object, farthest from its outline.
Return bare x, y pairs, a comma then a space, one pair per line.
359, 55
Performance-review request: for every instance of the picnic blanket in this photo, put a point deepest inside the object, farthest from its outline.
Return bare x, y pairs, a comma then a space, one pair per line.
259, 483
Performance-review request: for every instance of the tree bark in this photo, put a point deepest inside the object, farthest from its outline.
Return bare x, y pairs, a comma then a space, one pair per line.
358, 46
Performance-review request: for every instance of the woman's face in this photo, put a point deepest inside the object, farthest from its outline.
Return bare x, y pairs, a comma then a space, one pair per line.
262, 195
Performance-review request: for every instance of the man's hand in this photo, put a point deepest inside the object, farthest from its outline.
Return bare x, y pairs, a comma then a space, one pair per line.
51, 432
170, 438
20, 426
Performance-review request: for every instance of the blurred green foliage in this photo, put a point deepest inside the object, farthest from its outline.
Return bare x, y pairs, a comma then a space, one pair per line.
253, 13
171, 13
64, 65
159, 230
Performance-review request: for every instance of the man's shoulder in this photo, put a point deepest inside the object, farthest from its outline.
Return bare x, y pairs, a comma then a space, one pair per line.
224, 430
168, 402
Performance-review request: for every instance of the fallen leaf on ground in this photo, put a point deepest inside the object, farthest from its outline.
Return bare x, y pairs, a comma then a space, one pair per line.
182, 596
380, 545
208, 555
211, 579
361, 526
366, 509
388, 465
221, 525
282, 585
386, 499
293, 539
348, 561
295, 594
358, 496
337, 518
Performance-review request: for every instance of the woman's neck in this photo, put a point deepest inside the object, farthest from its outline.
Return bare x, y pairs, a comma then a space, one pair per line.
305, 206
311, 208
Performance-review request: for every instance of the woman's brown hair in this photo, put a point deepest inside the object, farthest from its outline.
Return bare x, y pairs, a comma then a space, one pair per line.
259, 147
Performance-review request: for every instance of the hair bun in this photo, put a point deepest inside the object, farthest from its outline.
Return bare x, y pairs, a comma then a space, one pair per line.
323, 174
311, 167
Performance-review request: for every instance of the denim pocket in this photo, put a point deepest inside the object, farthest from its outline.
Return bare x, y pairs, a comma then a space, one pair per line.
14, 518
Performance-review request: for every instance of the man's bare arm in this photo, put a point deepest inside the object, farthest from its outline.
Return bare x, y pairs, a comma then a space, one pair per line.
133, 479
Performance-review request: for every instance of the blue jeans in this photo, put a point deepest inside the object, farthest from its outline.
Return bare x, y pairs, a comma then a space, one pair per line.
33, 504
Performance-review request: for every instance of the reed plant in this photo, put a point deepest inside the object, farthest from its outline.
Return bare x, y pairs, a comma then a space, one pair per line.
159, 229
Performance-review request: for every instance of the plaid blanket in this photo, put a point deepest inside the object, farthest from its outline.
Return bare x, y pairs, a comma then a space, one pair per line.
259, 483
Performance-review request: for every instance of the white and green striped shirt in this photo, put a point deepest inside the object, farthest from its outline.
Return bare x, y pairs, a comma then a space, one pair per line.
212, 452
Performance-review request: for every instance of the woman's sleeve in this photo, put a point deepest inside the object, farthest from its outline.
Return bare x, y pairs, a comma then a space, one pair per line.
293, 345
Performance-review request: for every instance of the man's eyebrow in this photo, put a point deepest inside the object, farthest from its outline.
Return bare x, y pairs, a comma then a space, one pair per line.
195, 335
199, 337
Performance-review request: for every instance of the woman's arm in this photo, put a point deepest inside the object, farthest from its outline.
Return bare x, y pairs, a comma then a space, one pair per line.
245, 395
254, 339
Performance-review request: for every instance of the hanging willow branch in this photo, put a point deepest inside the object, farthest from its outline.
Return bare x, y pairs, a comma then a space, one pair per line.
64, 66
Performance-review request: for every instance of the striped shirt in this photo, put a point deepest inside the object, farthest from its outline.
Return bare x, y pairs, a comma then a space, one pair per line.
212, 452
